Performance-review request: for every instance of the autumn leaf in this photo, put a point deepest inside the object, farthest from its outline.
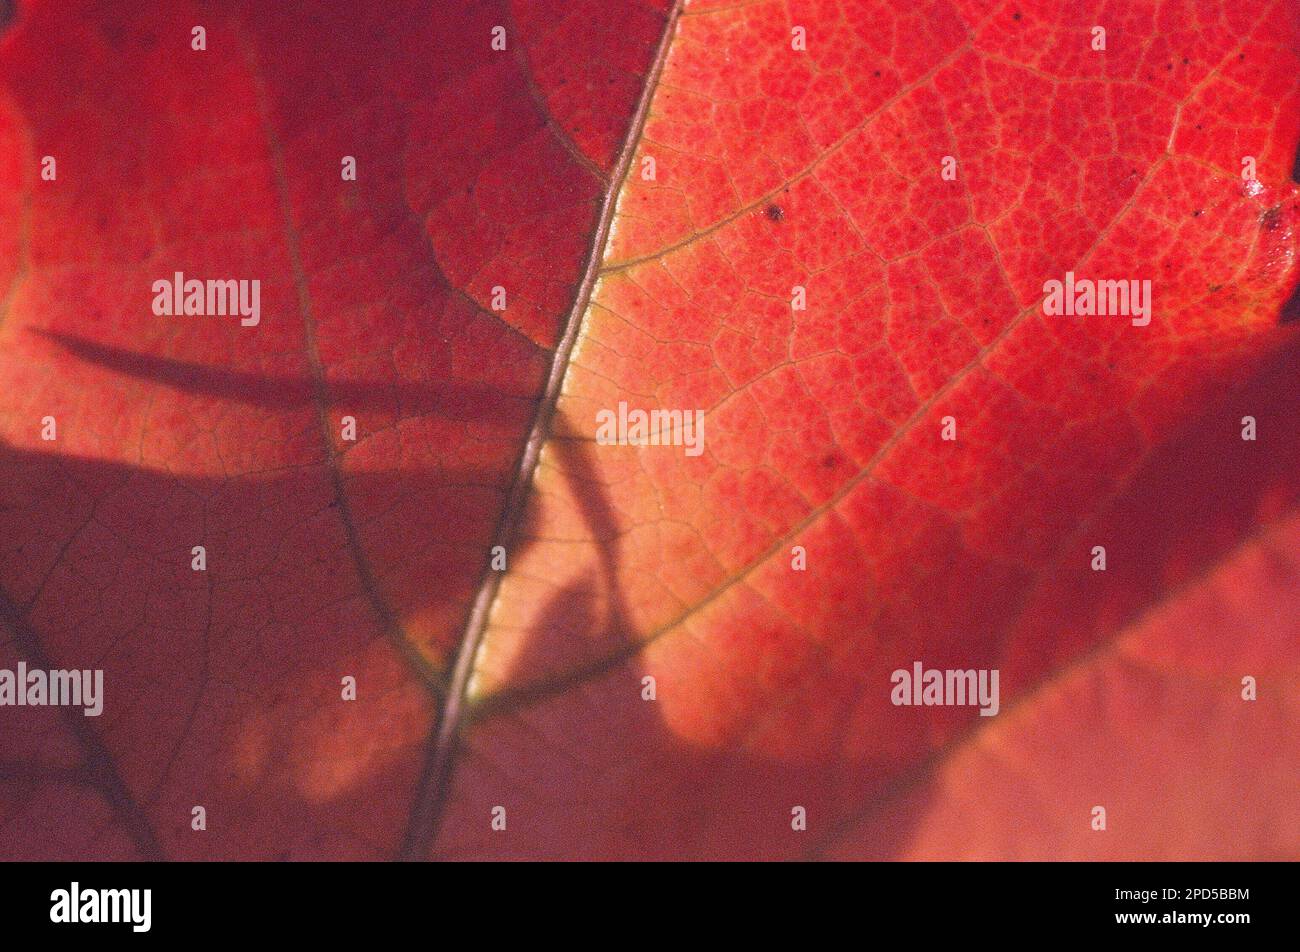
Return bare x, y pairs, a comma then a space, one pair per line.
826, 231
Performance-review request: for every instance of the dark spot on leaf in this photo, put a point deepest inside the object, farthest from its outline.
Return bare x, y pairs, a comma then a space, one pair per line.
1016, 16
1169, 66
1214, 288
829, 461
1198, 213
1271, 218
1290, 313
1295, 165
775, 213
8, 13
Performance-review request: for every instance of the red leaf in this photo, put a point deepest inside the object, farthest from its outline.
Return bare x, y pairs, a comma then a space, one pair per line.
325, 559
774, 167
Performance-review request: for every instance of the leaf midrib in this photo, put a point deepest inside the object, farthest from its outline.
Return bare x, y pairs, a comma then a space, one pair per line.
431, 791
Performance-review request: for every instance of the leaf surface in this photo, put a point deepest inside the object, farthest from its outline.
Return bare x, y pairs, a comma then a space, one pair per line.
526, 169
821, 169
325, 558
